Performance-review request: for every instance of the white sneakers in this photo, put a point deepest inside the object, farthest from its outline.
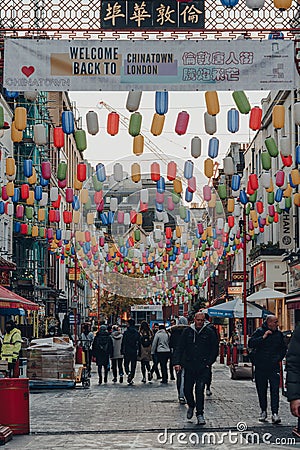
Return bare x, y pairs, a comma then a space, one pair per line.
263, 416
275, 417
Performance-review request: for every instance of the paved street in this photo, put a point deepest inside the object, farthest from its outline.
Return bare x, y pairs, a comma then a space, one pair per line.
120, 417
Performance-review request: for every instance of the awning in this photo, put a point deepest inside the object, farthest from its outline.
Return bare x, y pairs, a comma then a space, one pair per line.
6, 265
9, 299
12, 312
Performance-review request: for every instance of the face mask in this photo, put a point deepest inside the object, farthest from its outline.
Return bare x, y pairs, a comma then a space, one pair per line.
8, 328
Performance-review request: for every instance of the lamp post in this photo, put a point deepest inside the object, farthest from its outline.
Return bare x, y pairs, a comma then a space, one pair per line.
245, 282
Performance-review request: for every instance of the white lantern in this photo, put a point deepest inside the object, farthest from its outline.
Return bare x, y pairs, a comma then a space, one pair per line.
266, 180
44, 199
92, 123
220, 223
228, 165
285, 146
133, 100
159, 215
237, 210
53, 194
255, 5
39, 134
113, 204
196, 147
31, 95
144, 195
165, 217
210, 123
118, 172
297, 113
10, 209
126, 219
157, 234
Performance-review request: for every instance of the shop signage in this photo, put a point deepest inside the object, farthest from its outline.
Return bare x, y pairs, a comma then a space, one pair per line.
83, 65
259, 273
235, 290
72, 274
286, 230
136, 308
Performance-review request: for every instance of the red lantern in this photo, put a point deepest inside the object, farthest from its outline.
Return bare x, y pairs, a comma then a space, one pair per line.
87, 236
52, 215
168, 232
46, 170
24, 191
287, 161
182, 123
58, 137
255, 118
4, 193
69, 195
276, 217
62, 183
98, 196
56, 203
171, 172
231, 221
253, 181
250, 191
155, 172
57, 216
133, 215
113, 120
24, 228
67, 217
259, 207
81, 172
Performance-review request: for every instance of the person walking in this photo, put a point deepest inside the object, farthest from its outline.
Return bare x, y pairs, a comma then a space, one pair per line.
86, 341
146, 342
131, 349
209, 380
161, 347
102, 349
11, 346
293, 373
197, 351
117, 358
175, 334
269, 349
154, 367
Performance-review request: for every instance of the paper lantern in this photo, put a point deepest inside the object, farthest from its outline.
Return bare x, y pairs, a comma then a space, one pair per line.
155, 172
241, 102
144, 195
113, 120
41, 215
192, 184
297, 113
255, 118
255, 5
265, 158
16, 196
230, 205
81, 172
228, 165
182, 123
40, 134
24, 192
213, 147
92, 122
20, 118
100, 172
32, 179
285, 146
177, 185
297, 199
233, 120
62, 171
188, 169
53, 194
67, 121
135, 123
161, 102
69, 195
157, 124
243, 197
84, 196
188, 195
207, 193
138, 145
210, 123
16, 135
80, 139
253, 181
271, 147
135, 172
208, 168
222, 191
196, 147
10, 166
295, 176
171, 170
62, 184
10, 188
282, 5
278, 116
133, 100
161, 185
287, 161
278, 195
58, 137
212, 103
118, 172
38, 192
235, 182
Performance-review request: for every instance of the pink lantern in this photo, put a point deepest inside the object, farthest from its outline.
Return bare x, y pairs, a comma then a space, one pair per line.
182, 123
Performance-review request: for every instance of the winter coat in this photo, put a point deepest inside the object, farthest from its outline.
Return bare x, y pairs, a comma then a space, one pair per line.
197, 349
160, 342
146, 338
117, 337
87, 340
131, 342
102, 348
269, 351
175, 334
11, 345
293, 367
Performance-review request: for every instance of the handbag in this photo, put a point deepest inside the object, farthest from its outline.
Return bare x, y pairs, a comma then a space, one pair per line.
243, 372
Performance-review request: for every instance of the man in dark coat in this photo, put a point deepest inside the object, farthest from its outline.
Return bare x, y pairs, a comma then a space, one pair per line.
102, 350
175, 334
131, 349
269, 347
293, 373
197, 351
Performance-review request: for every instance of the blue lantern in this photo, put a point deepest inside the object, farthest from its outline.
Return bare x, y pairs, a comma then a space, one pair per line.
27, 167
1, 207
58, 234
76, 203
278, 195
43, 181
161, 185
229, 3
188, 169
233, 120
235, 182
159, 206
213, 147
17, 227
188, 196
103, 218
16, 196
11, 94
161, 102
110, 217
38, 193
67, 122
243, 197
297, 157
100, 172
187, 216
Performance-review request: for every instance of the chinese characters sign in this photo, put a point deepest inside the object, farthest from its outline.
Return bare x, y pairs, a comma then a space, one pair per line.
149, 15
149, 65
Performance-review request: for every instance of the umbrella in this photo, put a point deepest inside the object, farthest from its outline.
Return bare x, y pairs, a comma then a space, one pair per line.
266, 293
235, 309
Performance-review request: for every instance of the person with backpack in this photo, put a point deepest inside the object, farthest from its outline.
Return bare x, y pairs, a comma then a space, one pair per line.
175, 334
117, 358
102, 350
86, 341
160, 345
131, 349
146, 342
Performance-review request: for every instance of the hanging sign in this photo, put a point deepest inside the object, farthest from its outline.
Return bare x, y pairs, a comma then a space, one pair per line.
136, 308
286, 230
61, 65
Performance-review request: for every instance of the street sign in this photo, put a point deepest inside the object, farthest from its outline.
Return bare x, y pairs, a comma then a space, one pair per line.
71, 319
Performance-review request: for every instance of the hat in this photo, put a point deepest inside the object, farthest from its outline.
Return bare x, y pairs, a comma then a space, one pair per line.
182, 320
103, 328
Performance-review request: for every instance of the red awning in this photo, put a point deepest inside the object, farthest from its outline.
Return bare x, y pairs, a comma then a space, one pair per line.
9, 299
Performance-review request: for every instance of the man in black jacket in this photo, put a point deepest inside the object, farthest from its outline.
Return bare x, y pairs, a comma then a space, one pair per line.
270, 349
131, 349
293, 373
197, 351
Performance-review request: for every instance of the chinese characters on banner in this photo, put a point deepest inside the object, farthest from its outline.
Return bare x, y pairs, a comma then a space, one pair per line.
168, 14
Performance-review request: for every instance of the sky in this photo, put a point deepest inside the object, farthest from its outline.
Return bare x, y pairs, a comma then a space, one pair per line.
109, 149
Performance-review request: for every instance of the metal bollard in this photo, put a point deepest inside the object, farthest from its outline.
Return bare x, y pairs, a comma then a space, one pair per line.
234, 354
228, 362
222, 360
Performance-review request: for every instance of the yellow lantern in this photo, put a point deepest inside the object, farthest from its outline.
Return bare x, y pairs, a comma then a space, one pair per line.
139, 219
212, 202
295, 175
297, 199
212, 103
253, 215
41, 214
288, 191
135, 172
77, 184
76, 216
138, 145
20, 118
209, 231
32, 179
84, 196
278, 116
16, 135
34, 231
282, 5
10, 166
157, 124
10, 188
178, 231
90, 218
204, 235
30, 199
208, 167
230, 205
177, 184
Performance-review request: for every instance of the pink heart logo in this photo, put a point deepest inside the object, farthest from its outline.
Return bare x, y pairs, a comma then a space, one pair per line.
27, 70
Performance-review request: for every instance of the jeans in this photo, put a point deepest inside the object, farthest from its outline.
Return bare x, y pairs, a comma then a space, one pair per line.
105, 367
130, 360
180, 383
262, 377
163, 361
155, 367
117, 363
197, 378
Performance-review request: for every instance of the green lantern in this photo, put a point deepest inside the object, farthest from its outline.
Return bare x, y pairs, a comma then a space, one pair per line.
271, 198
271, 147
288, 202
270, 219
278, 210
29, 229
80, 139
219, 207
42, 232
135, 124
175, 197
137, 235
62, 171
29, 213
97, 184
1, 117
182, 212
266, 160
248, 209
222, 191
87, 206
241, 102
253, 197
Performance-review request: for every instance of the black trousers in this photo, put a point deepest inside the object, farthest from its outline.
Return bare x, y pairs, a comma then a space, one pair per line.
105, 368
130, 365
163, 361
262, 378
145, 365
209, 378
154, 367
117, 363
195, 379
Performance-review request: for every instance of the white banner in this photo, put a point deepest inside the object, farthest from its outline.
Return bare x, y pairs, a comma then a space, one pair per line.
146, 308
57, 65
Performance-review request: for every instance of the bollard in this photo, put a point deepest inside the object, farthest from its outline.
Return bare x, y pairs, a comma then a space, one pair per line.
234, 354
228, 362
222, 353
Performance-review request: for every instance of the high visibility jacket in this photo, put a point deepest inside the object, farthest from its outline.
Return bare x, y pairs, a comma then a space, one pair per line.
11, 345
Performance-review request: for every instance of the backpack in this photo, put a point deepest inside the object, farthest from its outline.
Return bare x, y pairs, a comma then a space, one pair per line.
146, 340
102, 345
